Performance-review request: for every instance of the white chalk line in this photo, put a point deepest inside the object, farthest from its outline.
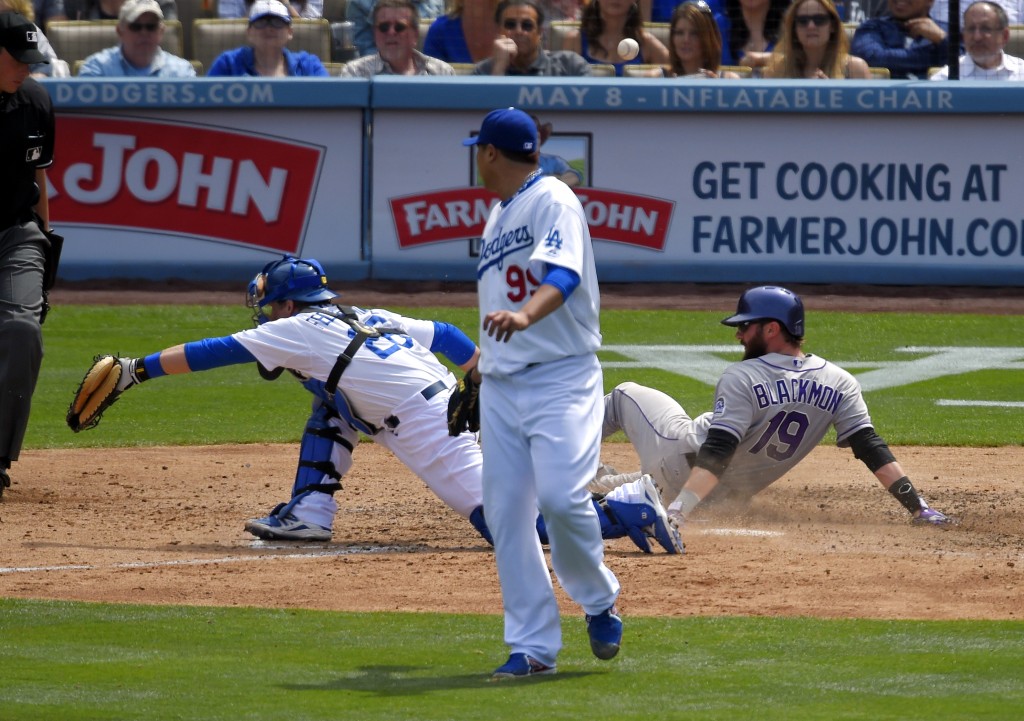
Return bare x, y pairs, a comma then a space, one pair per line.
741, 532
347, 551
983, 404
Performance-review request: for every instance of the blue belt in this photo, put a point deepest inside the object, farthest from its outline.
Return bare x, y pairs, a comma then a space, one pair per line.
433, 389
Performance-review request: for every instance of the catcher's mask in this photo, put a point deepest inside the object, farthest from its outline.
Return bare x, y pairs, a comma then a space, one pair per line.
773, 303
291, 278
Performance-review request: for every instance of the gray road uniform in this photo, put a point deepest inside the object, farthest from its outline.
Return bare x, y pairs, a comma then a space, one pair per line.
779, 407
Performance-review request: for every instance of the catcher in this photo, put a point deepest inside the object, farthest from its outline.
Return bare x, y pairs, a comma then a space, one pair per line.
370, 371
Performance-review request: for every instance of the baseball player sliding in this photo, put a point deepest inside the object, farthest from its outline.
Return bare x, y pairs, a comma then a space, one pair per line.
369, 371
771, 409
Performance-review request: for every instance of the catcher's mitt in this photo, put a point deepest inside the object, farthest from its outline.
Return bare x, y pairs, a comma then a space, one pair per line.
464, 407
103, 384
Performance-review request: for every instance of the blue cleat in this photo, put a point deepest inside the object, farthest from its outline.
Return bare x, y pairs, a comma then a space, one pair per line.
519, 665
605, 631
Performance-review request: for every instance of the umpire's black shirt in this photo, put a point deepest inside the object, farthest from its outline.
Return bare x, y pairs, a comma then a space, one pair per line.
26, 143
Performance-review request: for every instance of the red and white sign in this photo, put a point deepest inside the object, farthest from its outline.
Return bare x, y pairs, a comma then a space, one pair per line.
461, 213
166, 177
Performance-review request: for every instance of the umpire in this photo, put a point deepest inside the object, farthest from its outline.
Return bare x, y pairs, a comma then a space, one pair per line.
26, 148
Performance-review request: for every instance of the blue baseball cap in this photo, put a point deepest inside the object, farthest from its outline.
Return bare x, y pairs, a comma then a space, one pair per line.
508, 129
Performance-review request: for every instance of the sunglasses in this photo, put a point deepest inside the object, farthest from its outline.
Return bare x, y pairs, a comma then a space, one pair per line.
139, 27
265, 22
742, 327
385, 27
820, 20
527, 26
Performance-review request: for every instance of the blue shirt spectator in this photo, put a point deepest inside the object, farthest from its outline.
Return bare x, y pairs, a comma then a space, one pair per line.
446, 41
906, 40
140, 27
270, 29
111, 63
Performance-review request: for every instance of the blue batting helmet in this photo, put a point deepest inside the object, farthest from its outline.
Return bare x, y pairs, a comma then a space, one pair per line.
773, 303
291, 278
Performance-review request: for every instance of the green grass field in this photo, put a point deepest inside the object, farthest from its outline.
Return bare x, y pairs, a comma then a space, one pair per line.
71, 661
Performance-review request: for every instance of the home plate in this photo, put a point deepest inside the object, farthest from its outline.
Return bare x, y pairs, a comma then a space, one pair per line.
741, 532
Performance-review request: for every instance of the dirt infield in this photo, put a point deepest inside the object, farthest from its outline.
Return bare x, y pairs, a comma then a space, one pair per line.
164, 525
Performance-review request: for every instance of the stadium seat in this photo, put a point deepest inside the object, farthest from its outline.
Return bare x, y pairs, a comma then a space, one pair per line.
662, 31
188, 11
212, 36
744, 71
880, 73
463, 68
75, 40
642, 70
557, 30
602, 70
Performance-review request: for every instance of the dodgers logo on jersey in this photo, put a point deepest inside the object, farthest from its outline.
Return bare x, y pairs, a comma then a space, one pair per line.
494, 251
553, 243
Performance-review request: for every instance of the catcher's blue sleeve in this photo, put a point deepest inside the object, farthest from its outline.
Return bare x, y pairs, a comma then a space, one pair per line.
205, 354
452, 343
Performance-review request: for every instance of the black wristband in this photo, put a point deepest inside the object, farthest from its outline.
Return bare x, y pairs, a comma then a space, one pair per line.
906, 494
138, 370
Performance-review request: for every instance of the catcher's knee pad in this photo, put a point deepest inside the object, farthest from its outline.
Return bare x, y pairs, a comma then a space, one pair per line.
480, 524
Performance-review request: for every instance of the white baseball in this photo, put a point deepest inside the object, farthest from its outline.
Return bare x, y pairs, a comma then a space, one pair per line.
629, 49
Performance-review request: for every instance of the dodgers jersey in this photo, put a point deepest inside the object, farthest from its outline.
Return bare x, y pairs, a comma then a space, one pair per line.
780, 407
542, 225
384, 371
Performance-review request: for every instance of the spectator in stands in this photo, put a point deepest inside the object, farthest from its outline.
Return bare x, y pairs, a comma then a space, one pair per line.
465, 34
140, 28
661, 11
47, 10
751, 29
606, 23
54, 67
395, 33
517, 49
986, 31
1014, 10
814, 45
110, 9
360, 14
309, 9
270, 30
695, 43
905, 40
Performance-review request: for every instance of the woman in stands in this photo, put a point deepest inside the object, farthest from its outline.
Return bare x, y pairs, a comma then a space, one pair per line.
695, 43
751, 28
270, 29
606, 23
814, 45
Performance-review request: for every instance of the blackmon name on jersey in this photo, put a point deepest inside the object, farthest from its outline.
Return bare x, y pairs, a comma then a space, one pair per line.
797, 390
